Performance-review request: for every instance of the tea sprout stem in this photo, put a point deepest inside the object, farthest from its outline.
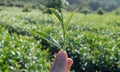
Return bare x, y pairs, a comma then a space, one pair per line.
65, 42
64, 36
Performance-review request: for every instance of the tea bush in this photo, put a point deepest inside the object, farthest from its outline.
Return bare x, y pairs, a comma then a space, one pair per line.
85, 10
100, 11
21, 53
26, 9
93, 41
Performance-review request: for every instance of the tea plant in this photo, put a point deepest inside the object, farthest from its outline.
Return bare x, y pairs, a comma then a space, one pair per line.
64, 24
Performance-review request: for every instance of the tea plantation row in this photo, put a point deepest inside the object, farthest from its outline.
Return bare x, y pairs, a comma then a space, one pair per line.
93, 41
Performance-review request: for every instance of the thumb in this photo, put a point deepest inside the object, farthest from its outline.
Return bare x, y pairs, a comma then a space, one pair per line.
60, 62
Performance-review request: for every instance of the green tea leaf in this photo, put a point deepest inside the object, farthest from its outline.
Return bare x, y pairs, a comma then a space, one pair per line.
68, 20
48, 38
57, 15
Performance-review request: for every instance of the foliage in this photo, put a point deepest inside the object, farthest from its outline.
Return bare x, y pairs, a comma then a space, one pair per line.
85, 10
93, 41
64, 24
26, 9
107, 5
21, 53
117, 11
0, 9
100, 11
55, 4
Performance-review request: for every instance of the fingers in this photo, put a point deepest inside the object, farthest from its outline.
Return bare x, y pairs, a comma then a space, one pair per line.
69, 64
60, 63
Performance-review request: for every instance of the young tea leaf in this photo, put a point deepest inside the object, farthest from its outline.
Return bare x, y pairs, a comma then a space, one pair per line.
57, 15
68, 20
48, 38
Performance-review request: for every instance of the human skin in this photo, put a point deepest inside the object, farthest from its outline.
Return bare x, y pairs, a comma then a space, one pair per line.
62, 63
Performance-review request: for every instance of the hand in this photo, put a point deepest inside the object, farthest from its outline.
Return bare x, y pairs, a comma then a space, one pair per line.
62, 62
